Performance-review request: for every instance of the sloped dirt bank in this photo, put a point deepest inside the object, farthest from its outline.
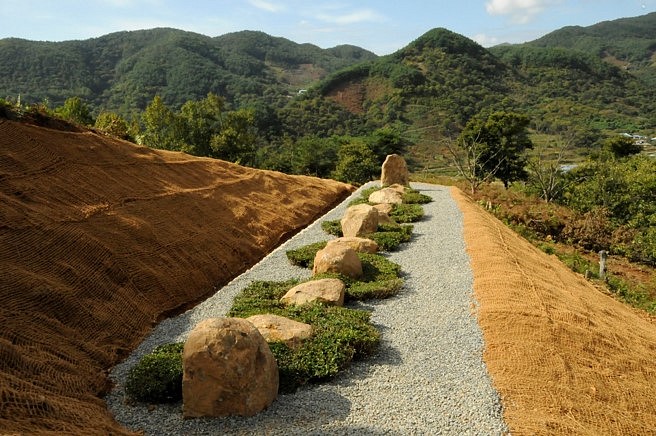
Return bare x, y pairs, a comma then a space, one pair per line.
565, 358
100, 239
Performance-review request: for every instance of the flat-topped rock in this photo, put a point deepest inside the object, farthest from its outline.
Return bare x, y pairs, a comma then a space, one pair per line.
361, 245
327, 291
275, 328
386, 195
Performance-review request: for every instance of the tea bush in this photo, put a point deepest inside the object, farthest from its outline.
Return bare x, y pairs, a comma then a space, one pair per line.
157, 378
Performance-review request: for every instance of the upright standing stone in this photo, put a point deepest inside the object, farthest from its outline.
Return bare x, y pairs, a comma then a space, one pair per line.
228, 369
394, 171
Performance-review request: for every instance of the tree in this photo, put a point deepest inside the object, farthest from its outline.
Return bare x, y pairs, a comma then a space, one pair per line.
503, 138
356, 162
202, 121
163, 128
469, 157
236, 142
76, 111
546, 175
113, 124
622, 146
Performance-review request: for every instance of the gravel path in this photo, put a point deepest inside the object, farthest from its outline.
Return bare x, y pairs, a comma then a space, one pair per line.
428, 376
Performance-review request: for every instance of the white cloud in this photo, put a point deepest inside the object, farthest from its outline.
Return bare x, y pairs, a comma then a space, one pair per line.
360, 16
485, 40
266, 5
520, 11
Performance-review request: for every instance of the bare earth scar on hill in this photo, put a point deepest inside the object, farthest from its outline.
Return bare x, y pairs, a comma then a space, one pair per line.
99, 240
565, 358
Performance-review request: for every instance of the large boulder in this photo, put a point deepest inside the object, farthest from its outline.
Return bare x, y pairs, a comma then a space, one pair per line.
328, 291
228, 369
338, 259
359, 220
386, 195
276, 328
361, 245
394, 171
384, 209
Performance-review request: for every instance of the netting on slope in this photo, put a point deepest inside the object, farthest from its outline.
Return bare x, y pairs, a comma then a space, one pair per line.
566, 358
99, 239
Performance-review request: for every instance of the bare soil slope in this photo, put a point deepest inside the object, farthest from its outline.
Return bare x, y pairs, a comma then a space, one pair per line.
565, 357
100, 239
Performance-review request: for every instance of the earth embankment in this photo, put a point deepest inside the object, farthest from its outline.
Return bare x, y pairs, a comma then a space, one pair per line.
99, 240
565, 357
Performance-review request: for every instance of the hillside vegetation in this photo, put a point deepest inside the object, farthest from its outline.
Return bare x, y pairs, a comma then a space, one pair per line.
123, 71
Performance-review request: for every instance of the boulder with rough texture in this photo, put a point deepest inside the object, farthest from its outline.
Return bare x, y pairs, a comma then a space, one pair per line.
398, 188
386, 195
276, 328
228, 369
361, 245
338, 259
384, 210
394, 171
359, 220
328, 291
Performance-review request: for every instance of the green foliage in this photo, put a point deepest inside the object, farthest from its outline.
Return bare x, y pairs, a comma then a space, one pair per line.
157, 378
332, 227
76, 111
364, 196
380, 278
123, 71
390, 236
339, 334
261, 297
621, 146
113, 124
407, 212
304, 256
411, 196
503, 138
356, 163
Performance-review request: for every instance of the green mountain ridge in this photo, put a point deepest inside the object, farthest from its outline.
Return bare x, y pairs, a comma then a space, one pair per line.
585, 82
123, 71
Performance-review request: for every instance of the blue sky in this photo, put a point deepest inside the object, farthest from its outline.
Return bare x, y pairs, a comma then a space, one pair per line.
381, 26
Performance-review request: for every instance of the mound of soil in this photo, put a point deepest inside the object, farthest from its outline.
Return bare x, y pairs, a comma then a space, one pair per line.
99, 240
565, 357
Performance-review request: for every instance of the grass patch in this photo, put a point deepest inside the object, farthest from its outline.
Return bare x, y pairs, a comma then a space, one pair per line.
406, 213
412, 196
340, 334
157, 377
364, 196
332, 227
304, 256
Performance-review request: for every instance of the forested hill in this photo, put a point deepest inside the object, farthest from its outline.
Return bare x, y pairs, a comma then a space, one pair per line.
627, 42
123, 71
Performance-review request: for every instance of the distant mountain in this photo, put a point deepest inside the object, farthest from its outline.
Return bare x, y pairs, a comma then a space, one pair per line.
123, 71
628, 42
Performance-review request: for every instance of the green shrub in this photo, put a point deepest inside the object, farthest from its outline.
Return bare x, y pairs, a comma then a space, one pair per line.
157, 378
364, 196
339, 334
333, 227
406, 213
304, 256
412, 196
390, 236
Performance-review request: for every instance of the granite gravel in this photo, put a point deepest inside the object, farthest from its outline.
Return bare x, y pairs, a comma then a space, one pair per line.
428, 376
